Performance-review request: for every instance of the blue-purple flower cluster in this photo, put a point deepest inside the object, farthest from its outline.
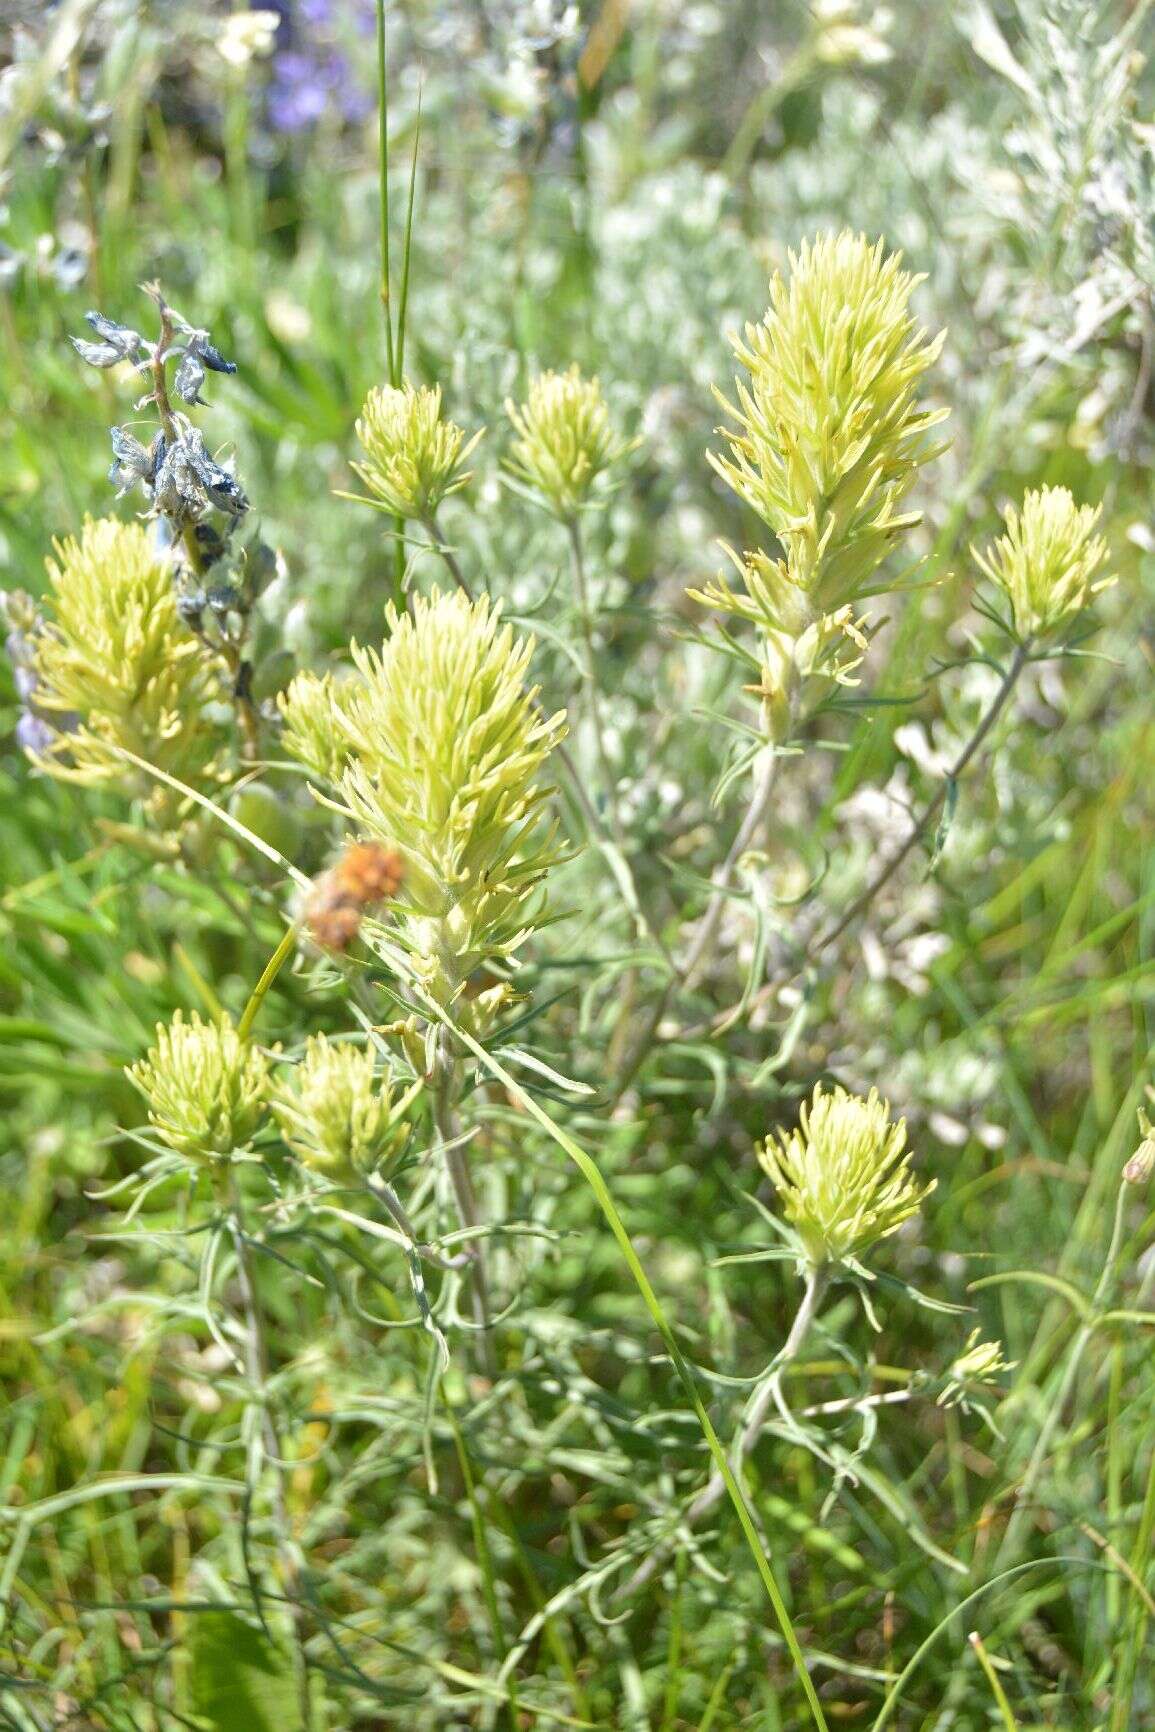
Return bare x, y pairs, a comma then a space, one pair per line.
35, 728
311, 74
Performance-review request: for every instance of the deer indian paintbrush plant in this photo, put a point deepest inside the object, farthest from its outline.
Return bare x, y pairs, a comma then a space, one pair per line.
436, 748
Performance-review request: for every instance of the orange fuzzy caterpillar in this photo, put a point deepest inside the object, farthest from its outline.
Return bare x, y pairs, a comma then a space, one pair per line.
366, 873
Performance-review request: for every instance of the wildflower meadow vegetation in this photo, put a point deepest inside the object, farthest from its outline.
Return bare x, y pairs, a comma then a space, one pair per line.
577, 940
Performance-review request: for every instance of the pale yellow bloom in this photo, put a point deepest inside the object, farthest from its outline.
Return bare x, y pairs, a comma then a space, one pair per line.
335, 1111
565, 440
118, 655
205, 1087
829, 432
1048, 562
436, 744
312, 727
414, 457
977, 1366
843, 1176
826, 435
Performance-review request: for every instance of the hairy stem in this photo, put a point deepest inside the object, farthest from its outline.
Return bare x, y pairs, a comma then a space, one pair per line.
767, 1395
452, 564
590, 689
931, 811
722, 879
444, 1097
256, 1371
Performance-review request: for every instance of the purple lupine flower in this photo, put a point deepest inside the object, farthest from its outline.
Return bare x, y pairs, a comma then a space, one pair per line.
36, 729
310, 75
24, 680
33, 734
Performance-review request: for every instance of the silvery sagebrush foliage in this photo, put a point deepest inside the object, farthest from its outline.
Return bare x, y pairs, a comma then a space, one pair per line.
1083, 170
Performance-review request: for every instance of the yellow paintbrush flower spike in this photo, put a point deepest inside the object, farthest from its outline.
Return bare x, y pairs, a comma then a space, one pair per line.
827, 434
205, 1087
414, 457
843, 1178
565, 440
335, 1112
1048, 562
436, 748
117, 657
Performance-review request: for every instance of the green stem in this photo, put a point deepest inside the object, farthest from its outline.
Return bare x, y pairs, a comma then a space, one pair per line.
392, 355
256, 1370
768, 99
1010, 1724
439, 544
722, 879
485, 1563
1011, 1543
590, 688
444, 1094
271, 970
383, 183
931, 811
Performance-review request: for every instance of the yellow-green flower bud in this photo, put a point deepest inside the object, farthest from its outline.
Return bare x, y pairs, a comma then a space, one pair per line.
414, 457
1048, 562
977, 1366
1141, 1164
843, 1178
335, 1112
565, 440
204, 1085
118, 656
829, 432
